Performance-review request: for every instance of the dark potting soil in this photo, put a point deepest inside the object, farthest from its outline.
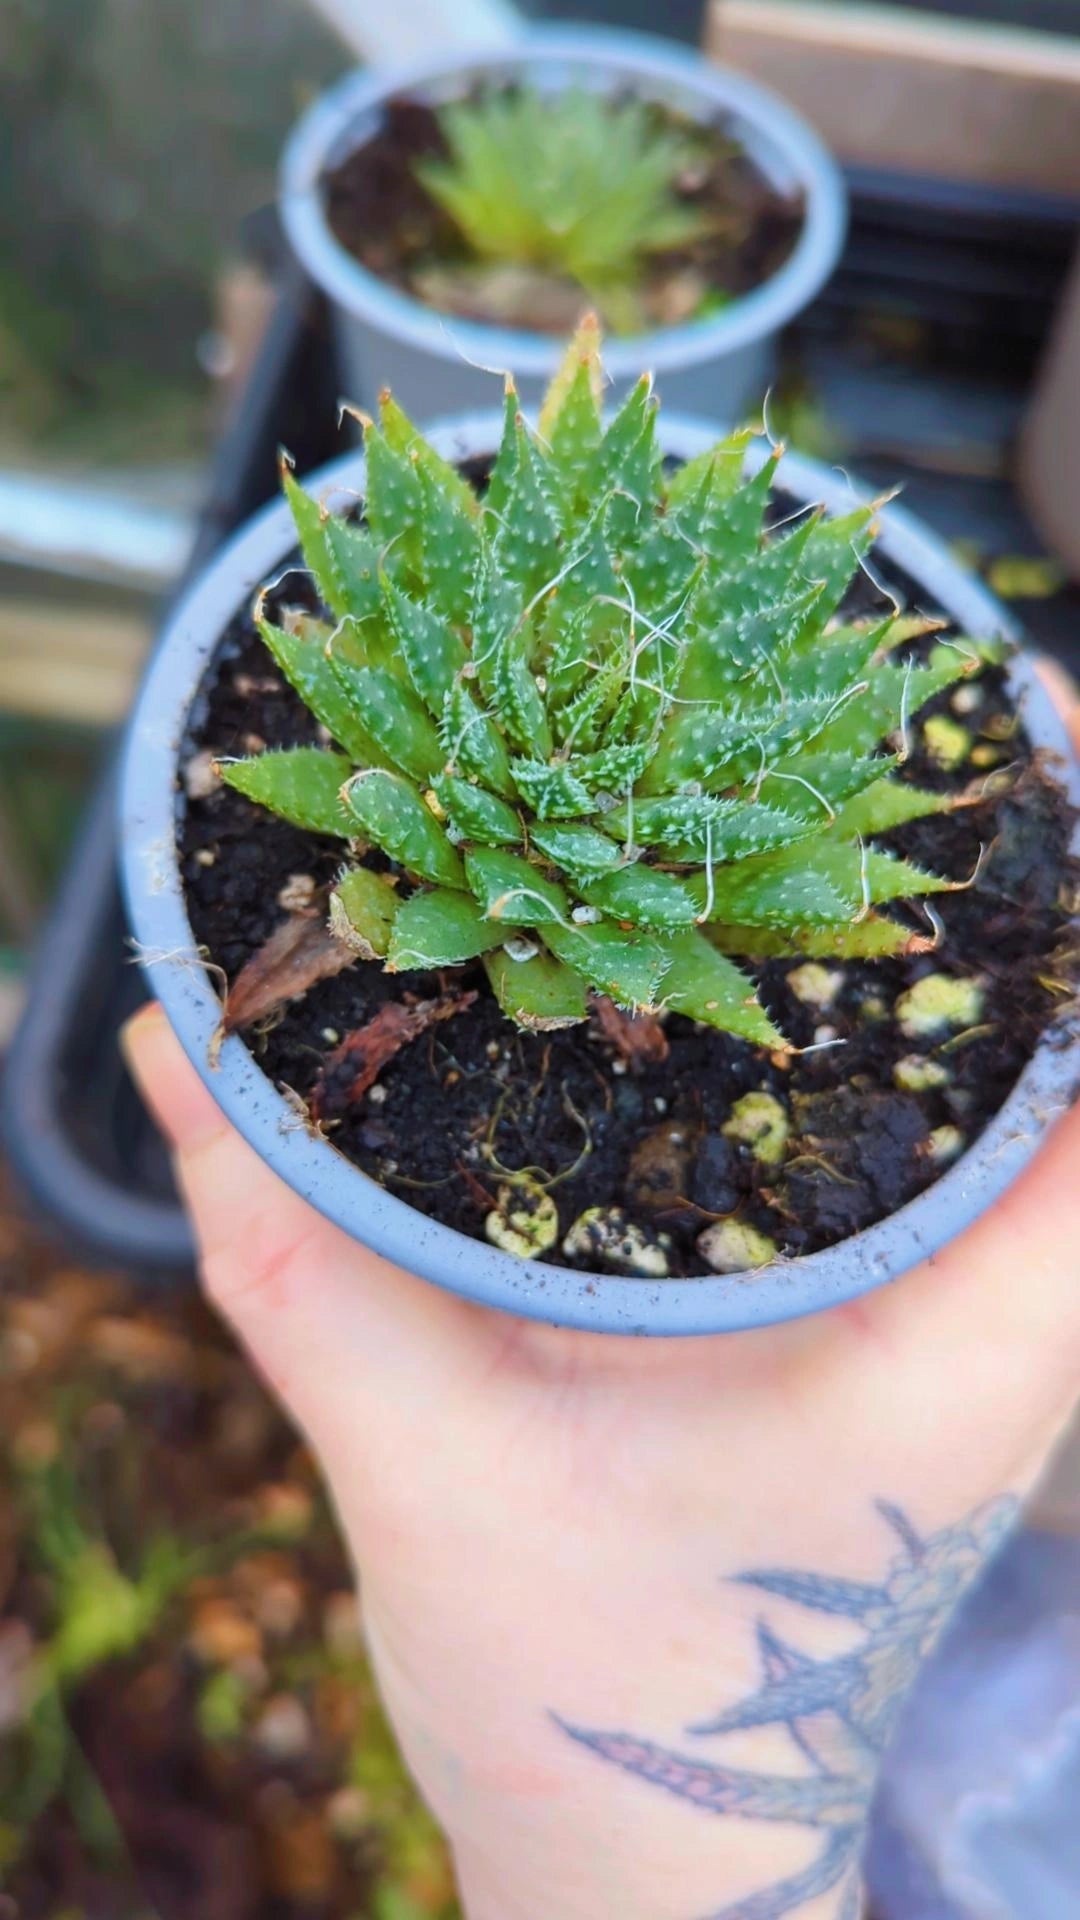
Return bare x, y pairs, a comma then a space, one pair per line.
474, 1096
380, 213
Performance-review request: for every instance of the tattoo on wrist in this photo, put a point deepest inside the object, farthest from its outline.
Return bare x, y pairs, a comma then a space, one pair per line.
838, 1711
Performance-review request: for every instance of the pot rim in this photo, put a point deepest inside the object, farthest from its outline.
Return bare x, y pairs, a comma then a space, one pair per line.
773, 130
602, 1303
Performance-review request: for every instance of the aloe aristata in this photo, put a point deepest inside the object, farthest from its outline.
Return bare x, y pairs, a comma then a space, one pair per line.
610, 733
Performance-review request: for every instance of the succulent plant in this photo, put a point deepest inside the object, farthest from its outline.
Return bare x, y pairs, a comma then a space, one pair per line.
604, 730
575, 184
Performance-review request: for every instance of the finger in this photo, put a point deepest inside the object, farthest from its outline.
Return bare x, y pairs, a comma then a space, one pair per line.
333, 1328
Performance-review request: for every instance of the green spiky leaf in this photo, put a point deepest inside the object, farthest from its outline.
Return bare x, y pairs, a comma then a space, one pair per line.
512, 891
644, 896
393, 717
613, 731
439, 929
703, 984
301, 653
303, 785
537, 992
363, 908
629, 967
342, 558
433, 653
475, 814
582, 851
389, 811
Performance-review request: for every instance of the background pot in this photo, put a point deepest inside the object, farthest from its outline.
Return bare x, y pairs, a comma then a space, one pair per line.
599, 1302
435, 362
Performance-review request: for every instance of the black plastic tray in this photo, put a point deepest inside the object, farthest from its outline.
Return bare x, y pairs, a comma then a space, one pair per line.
983, 275
72, 1125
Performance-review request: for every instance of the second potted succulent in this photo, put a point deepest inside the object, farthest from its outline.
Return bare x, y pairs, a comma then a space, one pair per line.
463, 213
635, 915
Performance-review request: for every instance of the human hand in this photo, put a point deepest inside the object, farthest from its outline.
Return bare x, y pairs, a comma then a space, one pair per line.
555, 1531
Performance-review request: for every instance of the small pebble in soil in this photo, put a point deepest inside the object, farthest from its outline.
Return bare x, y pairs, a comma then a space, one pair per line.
733, 1246
944, 1144
521, 948
606, 1236
815, 985
872, 1007
376, 1095
966, 700
657, 1177
524, 1220
759, 1121
298, 893
913, 1074
201, 777
937, 1003
947, 742
331, 1036
986, 755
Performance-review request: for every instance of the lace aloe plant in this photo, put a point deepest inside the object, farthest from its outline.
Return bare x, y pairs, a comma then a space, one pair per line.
609, 734
577, 184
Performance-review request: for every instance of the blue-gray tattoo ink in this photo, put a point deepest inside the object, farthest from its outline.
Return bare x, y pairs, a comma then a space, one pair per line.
838, 1712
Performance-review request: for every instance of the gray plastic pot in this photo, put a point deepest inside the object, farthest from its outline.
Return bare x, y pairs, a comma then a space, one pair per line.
435, 363
599, 1302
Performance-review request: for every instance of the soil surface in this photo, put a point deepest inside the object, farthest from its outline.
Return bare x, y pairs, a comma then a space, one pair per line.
474, 1096
381, 214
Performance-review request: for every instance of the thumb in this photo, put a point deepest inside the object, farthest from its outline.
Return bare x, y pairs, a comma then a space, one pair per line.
339, 1333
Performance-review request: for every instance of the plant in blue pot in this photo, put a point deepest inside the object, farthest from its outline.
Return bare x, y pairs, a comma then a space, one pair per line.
462, 213
644, 915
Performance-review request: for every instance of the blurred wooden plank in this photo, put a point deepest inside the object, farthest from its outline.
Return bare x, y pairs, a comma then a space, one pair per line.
69, 664
916, 93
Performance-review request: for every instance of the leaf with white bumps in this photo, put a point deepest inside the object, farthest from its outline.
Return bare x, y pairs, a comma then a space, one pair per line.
612, 729
389, 811
302, 784
438, 929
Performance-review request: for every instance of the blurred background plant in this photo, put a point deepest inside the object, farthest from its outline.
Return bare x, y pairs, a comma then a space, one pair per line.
138, 135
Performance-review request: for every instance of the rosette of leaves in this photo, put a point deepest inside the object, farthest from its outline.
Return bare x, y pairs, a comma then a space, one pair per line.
575, 184
606, 732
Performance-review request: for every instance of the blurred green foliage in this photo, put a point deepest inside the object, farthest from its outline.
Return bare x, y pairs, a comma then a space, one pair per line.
135, 136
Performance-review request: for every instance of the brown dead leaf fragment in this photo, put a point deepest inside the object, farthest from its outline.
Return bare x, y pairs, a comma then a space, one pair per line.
637, 1037
365, 1052
298, 954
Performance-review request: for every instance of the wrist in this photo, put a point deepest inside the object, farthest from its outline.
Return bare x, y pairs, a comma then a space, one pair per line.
661, 1742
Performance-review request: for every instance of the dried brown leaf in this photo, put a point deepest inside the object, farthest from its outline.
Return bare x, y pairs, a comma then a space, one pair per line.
298, 954
637, 1037
365, 1052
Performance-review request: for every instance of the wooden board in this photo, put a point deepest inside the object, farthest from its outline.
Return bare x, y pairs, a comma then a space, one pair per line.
916, 93
71, 664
